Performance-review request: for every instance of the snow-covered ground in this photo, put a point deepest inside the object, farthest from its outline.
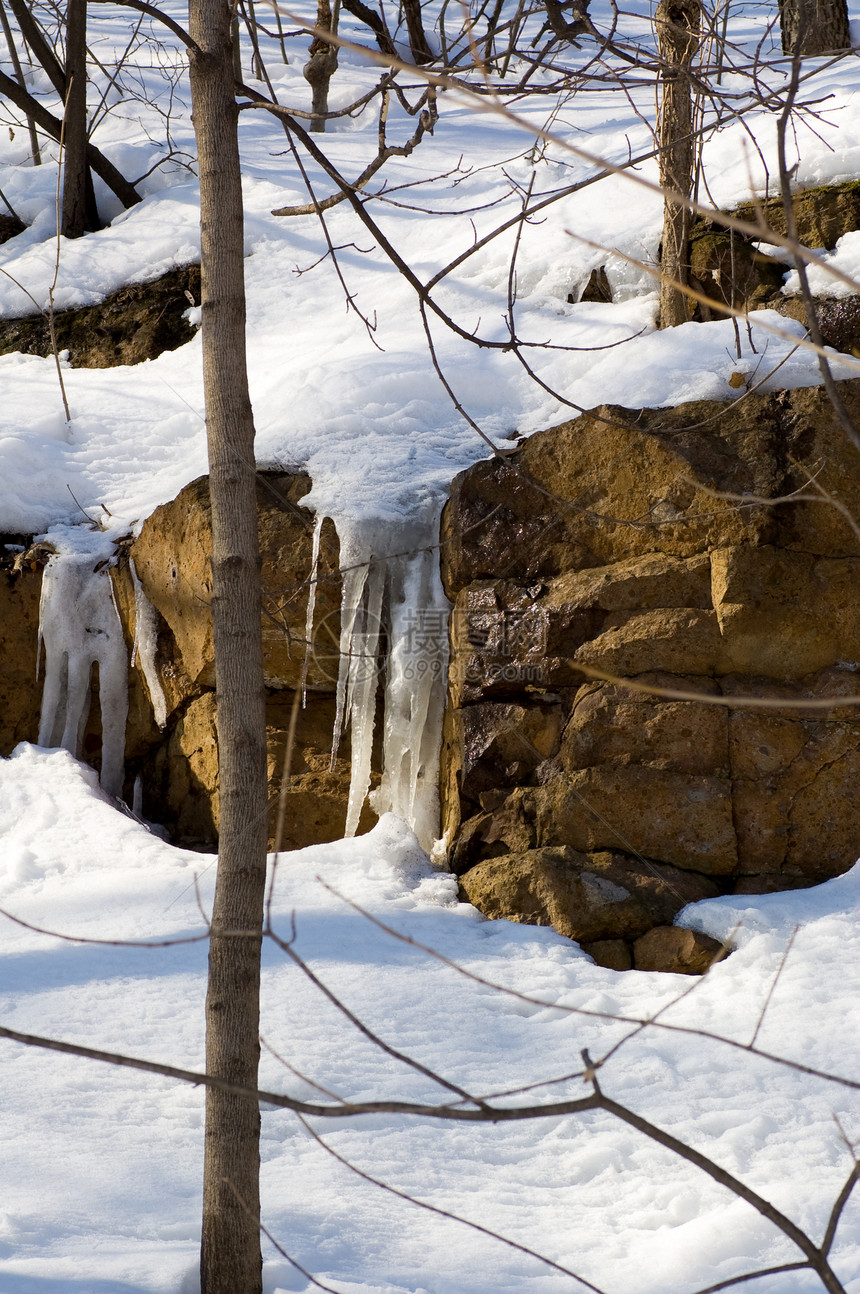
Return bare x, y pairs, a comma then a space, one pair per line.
101, 1167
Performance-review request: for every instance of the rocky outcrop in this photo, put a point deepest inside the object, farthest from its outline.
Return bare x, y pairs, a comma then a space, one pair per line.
589, 897
729, 267
822, 213
671, 948
171, 737
136, 323
179, 768
20, 690
611, 564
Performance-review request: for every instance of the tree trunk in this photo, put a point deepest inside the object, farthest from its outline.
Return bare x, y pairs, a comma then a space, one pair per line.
678, 39
39, 45
421, 51
321, 66
230, 1259
814, 26
79, 212
19, 74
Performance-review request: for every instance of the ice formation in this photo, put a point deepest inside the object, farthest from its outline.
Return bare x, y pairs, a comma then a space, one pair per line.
80, 627
392, 592
392, 596
145, 648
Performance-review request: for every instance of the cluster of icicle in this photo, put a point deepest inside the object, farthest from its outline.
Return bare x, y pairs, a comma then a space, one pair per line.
392, 593
79, 628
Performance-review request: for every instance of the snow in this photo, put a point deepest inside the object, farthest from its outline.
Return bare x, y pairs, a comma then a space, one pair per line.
106, 1197
101, 1167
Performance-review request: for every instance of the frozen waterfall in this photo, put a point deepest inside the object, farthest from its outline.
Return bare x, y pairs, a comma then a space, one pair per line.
79, 626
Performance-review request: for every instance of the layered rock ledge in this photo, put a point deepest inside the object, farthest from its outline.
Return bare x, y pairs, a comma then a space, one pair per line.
707, 550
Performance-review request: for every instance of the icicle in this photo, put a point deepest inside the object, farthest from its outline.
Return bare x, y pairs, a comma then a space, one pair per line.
391, 571
79, 626
363, 686
353, 570
312, 604
145, 648
415, 692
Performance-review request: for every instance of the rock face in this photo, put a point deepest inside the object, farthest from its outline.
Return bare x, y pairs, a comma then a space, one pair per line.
822, 214
137, 323
728, 267
638, 545
178, 768
20, 691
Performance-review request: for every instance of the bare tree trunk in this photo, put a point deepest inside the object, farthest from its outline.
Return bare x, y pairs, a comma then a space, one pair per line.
322, 65
678, 38
19, 73
79, 212
421, 51
814, 26
39, 45
230, 1260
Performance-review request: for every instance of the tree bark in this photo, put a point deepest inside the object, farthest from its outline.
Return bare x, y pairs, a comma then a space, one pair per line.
39, 45
814, 26
19, 75
79, 212
421, 51
230, 1259
321, 66
678, 39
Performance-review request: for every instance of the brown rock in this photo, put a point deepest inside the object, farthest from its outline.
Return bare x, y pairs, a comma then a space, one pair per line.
838, 318
20, 692
498, 641
791, 778
172, 558
784, 614
672, 641
822, 214
644, 583
500, 745
613, 725
731, 271
822, 840
588, 897
180, 788
618, 484
679, 951
659, 814
315, 803
613, 485
137, 323
506, 828
614, 954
